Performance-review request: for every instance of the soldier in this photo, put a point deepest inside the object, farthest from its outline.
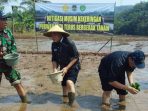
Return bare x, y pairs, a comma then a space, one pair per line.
7, 46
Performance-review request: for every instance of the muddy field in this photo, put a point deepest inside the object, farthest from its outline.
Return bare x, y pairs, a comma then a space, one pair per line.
84, 46
46, 96
34, 69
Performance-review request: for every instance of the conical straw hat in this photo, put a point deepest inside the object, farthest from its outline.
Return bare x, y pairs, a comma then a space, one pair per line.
58, 29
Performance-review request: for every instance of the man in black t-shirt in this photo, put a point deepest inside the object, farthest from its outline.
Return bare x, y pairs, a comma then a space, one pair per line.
65, 55
112, 73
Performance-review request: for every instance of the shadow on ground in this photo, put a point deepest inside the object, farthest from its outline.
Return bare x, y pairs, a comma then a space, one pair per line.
88, 103
83, 103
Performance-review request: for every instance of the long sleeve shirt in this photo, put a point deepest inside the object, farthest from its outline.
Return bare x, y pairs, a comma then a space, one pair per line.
7, 42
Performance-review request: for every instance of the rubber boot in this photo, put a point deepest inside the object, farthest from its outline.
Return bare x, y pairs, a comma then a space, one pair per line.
71, 97
24, 99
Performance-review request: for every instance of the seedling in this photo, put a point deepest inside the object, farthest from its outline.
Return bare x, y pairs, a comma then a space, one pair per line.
136, 86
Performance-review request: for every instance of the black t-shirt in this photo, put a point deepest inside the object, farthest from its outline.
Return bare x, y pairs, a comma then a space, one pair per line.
64, 51
114, 65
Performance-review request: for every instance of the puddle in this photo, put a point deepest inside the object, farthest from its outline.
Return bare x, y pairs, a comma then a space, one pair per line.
87, 46
46, 96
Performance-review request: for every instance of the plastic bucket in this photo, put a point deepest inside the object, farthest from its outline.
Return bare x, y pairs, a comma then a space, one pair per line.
56, 78
11, 59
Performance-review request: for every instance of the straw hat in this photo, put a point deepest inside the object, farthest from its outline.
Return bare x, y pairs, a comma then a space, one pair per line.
58, 29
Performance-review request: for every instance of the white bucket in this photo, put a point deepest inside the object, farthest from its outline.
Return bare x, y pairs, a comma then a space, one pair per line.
56, 78
11, 59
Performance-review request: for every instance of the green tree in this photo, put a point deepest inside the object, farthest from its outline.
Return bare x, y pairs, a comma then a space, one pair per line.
133, 21
23, 16
5, 1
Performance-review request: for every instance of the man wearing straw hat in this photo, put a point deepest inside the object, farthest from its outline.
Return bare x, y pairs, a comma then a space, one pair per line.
65, 55
7, 46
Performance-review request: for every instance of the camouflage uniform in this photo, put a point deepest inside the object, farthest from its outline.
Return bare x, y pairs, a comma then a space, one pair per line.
8, 45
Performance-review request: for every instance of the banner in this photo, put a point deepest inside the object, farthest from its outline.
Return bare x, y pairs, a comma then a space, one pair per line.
87, 17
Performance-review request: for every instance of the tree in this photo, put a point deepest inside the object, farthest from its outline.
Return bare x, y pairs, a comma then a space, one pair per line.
133, 21
5, 1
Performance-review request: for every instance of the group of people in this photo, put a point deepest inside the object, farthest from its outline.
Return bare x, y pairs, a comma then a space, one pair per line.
65, 57
111, 70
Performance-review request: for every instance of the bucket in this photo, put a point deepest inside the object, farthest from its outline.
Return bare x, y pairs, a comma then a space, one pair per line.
56, 78
11, 59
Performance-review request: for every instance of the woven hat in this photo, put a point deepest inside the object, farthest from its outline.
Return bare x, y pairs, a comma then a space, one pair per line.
57, 29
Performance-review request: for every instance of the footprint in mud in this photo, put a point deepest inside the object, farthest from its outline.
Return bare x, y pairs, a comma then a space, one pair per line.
138, 46
65, 107
23, 107
121, 106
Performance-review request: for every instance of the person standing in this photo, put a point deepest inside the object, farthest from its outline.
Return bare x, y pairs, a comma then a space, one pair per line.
65, 55
112, 71
8, 46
